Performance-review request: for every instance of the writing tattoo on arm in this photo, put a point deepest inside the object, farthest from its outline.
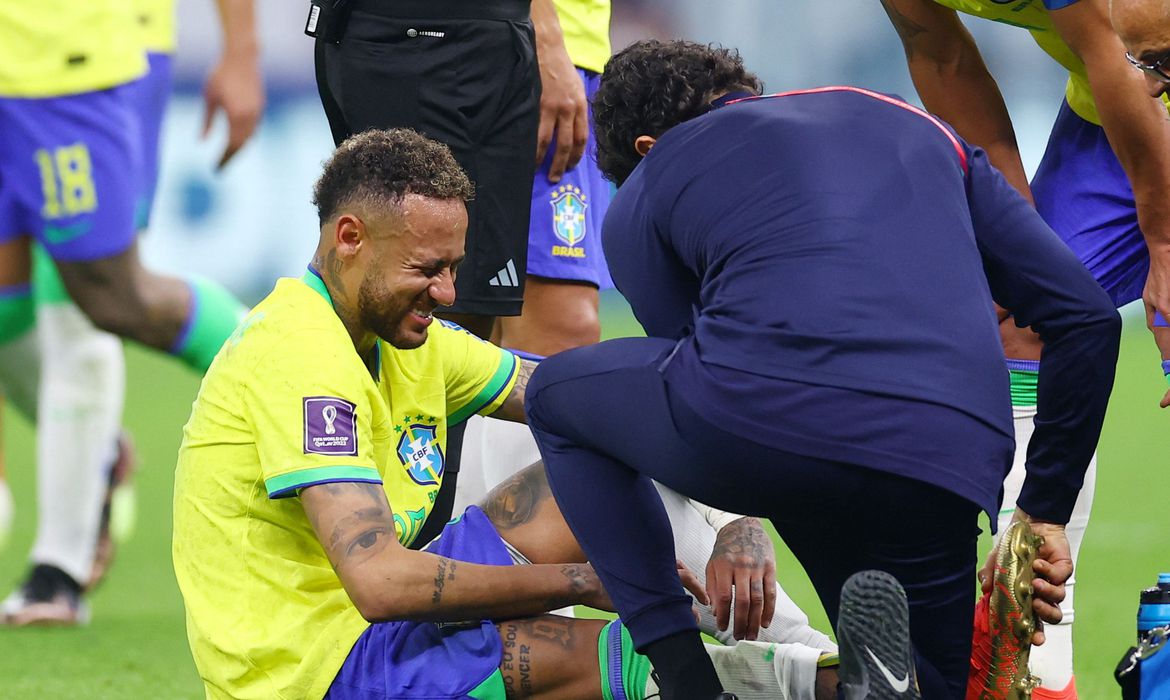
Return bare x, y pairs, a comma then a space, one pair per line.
445, 572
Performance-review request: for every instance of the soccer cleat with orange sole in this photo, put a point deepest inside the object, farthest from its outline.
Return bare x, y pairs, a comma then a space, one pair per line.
1005, 622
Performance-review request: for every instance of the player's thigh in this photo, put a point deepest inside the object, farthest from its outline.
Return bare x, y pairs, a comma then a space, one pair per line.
526, 516
1084, 194
551, 657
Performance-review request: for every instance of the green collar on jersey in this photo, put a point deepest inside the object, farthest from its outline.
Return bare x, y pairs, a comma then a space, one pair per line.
313, 279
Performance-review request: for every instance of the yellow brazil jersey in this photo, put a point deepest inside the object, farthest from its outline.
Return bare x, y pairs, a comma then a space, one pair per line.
286, 404
1033, 16
157, 20
585, 24
50, 48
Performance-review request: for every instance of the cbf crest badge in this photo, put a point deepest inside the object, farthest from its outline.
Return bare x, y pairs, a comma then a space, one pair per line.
419, 452
569, 207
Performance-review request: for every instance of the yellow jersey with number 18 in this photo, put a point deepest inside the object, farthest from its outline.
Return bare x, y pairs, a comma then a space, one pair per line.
50, 48
585, 24
288, 404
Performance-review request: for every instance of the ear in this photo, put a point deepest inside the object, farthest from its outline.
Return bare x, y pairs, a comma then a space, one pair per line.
643, 144
349, 233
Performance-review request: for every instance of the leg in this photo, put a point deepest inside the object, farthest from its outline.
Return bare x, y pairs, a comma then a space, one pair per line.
562, 659
1052, 663
82, 391
558, 315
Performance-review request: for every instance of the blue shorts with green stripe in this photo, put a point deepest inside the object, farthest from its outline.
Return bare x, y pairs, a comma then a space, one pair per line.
415, 660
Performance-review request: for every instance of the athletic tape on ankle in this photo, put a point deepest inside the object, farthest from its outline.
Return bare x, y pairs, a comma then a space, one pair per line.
623, 670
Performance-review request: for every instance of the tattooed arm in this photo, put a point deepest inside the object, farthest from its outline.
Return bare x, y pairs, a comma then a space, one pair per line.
953, 82
743, 559
513, 407
386, 581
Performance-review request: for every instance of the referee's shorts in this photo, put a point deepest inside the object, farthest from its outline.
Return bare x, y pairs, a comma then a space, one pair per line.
465, 74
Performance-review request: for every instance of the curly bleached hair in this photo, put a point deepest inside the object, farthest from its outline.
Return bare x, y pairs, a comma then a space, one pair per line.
380, 166
651, 86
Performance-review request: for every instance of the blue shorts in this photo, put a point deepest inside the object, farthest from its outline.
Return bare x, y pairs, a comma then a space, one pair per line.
564, 239
1083, 193
428, 660
148, 97
68, 172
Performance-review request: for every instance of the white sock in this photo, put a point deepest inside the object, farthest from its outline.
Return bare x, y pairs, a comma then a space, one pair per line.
82, 391
1052, 663
7, 512
762, 671
20, 372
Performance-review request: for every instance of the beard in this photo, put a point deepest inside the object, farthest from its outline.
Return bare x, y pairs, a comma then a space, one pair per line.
380, 311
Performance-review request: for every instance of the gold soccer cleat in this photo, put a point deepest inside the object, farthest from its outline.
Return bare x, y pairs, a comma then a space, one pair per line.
1005, 621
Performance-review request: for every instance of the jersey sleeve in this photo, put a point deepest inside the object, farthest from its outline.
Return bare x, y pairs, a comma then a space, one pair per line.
310, 416
477, 374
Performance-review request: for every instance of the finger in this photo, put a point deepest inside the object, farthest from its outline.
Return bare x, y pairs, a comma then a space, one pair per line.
691, 582
756, 595
580, 137
561, 149
721, 599
1056, 573
544, 134
210, 106
1038, 637
744, 603
1047, 592
1047, 612
771, 593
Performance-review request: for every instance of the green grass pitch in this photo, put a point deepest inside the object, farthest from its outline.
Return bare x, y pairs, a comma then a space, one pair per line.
136, 645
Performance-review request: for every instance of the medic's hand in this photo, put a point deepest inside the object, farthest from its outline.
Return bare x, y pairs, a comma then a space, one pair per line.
744, 561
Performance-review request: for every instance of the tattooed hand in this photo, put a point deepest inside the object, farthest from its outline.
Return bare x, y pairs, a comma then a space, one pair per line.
742, 569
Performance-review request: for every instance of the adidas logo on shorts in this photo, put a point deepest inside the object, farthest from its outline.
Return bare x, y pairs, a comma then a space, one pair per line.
506, 277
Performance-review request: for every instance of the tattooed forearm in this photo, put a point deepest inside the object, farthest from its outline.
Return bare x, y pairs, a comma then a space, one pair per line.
445, 573
908, 30
513, 407
515, 502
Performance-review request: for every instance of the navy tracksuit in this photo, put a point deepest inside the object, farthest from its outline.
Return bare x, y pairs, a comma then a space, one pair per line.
816, 272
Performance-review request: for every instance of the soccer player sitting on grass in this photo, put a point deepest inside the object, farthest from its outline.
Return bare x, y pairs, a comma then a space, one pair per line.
312, 457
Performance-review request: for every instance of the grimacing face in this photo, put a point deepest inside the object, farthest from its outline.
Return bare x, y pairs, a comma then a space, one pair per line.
411, 272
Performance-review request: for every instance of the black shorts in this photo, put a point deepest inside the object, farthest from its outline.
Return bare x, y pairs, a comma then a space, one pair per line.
463, 73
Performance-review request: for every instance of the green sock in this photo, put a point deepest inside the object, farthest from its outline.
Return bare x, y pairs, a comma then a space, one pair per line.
47, 285
1023, 375
624, 672
214, 315
17, 312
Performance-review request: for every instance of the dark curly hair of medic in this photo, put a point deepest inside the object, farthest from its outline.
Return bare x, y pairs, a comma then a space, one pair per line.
380, 166
651, 86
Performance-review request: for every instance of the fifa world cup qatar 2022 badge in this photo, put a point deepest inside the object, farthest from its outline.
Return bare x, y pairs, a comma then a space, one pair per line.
569, 205
419, 452
330, 426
